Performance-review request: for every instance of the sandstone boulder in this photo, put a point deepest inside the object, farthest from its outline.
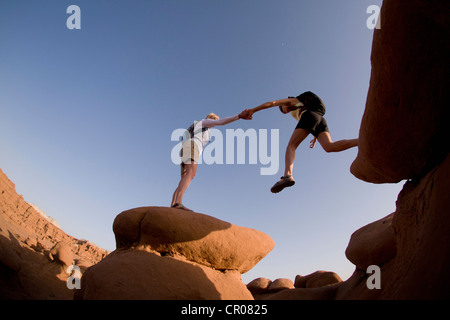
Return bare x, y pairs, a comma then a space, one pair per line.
403, 131
373, 244
198, 237
317, 279
422, 225
145, 275
165, 254
403, 136
279, 285
322, 293
259, 285
62, 254
420, 267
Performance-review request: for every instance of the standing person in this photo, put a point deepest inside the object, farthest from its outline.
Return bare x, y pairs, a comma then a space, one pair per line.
309, 110
196, 137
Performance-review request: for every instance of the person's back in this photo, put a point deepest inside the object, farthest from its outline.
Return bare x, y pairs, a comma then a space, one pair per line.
312, 102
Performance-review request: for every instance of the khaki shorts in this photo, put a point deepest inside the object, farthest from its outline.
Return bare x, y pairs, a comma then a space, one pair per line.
190, 153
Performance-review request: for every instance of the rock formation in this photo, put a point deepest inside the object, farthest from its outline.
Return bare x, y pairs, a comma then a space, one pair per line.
414, 264
162, 253
373, 244
403, 130
200, 238
34, 252
320, 285
165, 254
403, 137
259, 286
317, 279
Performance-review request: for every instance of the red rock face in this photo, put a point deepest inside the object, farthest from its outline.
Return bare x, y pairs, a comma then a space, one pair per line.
403, 136
34, 253
421, 225
403, 130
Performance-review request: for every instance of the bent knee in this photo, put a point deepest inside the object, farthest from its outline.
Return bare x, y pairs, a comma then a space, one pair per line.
329, 148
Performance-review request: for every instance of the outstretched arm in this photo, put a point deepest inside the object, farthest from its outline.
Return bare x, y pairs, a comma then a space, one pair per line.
212, 123
276, 103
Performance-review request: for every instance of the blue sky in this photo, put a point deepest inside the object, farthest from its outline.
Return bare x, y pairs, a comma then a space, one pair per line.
86, 116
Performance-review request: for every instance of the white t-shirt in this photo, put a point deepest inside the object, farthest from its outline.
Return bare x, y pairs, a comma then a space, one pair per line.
201, 136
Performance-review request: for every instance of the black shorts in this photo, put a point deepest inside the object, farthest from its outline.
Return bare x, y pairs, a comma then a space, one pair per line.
314, 122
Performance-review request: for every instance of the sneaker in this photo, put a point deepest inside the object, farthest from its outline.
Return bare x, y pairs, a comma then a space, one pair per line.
285, 182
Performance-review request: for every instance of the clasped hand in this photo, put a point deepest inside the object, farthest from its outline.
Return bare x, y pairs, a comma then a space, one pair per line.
246, 115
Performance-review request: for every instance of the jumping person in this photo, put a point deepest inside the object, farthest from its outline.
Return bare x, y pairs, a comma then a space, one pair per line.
196, 137
309, 110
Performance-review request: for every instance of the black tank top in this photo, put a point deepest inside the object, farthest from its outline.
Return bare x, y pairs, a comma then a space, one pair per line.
312, 102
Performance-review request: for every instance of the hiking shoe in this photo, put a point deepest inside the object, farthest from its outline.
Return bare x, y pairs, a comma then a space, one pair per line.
285, 182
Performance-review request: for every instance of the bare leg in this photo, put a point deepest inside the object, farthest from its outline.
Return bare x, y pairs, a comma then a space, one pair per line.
287, 180
185, 181
329, 146
297, 137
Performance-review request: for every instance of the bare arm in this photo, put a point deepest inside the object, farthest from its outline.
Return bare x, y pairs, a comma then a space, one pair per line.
276, 103
212, 123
